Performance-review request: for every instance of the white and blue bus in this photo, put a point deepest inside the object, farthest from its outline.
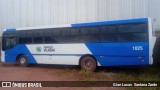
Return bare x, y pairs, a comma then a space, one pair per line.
107, 43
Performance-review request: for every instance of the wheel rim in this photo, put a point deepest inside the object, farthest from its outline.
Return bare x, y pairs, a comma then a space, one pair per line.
22, 61
88, 64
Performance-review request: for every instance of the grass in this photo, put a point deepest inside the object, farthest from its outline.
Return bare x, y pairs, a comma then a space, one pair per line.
116, 74
147, 73
87, 75
141, 74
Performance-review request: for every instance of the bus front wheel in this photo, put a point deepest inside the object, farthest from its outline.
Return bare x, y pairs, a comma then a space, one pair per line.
22, 61
88, 63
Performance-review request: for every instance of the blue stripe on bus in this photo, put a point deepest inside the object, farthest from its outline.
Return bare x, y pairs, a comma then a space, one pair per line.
111, 22
11, 29
19, 49
117, 53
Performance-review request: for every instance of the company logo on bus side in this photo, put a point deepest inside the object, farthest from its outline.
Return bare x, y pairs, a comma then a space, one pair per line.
38, 49
46, 49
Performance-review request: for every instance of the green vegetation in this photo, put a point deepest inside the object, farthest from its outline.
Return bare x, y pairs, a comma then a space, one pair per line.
134, 74
140, 74
116, 74
147, 73
87, 75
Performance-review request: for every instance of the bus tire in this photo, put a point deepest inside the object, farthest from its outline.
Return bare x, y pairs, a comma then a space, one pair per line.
88, 63
23, 61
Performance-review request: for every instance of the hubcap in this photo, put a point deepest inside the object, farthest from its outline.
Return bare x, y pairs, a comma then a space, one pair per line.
88, 64
22, 60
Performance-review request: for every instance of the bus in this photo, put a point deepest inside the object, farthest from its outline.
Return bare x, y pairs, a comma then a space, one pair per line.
89, 45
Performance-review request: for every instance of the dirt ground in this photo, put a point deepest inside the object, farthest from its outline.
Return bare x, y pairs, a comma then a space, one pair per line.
12, 72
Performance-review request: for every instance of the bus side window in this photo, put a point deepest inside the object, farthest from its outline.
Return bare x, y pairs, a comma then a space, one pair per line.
85, 31
90, 34
22, 36
38, 37
111, 29
132, 37
133, 28
29, 39
38, 40
108, 33
25, 37
95, 30
57, 32
136, 32
48, 38
74, 38
66, 32
75, 31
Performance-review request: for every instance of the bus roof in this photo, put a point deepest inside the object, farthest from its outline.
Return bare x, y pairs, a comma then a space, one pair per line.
138, 20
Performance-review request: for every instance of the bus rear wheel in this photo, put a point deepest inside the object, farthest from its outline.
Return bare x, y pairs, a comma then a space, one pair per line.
88, 63
22, 61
